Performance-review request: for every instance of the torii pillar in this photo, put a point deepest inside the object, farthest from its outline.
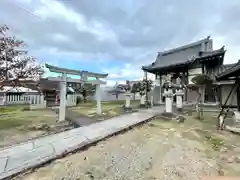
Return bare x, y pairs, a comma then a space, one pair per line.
63, 93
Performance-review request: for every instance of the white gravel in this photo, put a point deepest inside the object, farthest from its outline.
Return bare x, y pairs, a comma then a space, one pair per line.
145, 153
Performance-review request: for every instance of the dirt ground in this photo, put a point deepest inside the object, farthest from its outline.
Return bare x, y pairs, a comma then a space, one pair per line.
157, 150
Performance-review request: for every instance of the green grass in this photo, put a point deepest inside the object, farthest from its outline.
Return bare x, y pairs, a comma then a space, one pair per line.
12, 108
16, 116
109, 109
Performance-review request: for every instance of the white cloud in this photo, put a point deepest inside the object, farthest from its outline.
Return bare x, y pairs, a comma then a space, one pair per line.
60, 37
130, 31
127, 72
49, 9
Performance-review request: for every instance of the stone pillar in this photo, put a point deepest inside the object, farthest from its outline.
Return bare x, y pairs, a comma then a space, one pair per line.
168, 99
128, 100
179, 94
179, 98
98, 98
160, 91
152, 100
145, 75
142, 100
63, 92
42, 101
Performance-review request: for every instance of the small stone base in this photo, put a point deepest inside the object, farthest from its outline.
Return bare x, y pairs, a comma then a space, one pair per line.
171, 116
180, 110
127, 109
166, 116
142, 105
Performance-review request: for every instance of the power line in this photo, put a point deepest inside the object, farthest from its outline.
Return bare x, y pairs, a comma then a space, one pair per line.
29, 12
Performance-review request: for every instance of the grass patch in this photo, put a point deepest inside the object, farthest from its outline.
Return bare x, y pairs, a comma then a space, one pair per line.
17, 117
109, 109
203, 131
12, 108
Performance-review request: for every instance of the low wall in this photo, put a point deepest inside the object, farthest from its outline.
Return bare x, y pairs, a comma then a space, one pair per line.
35, 101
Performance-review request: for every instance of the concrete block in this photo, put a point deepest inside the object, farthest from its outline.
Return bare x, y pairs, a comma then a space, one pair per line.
3, 162
29, 158
16, 149
56, 137
96, 134
236, 116
69, 144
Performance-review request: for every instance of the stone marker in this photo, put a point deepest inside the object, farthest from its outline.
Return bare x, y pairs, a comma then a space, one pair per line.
179, 94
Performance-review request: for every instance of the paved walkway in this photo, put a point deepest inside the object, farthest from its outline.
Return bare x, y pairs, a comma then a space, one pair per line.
23, 156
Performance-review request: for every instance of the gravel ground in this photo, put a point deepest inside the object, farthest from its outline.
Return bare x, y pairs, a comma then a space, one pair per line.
144, 153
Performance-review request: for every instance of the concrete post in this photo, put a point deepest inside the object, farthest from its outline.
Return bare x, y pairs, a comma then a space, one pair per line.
152, 100
160, 91
128, 101
157, 93
142, 100
63, 92
98, 97
179, 98
168, 95
168, 100
179, 94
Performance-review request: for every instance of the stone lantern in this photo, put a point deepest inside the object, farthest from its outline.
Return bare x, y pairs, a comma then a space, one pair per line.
179, 94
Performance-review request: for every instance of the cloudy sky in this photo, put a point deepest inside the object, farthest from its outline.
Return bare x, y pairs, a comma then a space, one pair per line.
119, 36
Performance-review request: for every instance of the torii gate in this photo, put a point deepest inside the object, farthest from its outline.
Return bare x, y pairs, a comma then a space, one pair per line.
63, 85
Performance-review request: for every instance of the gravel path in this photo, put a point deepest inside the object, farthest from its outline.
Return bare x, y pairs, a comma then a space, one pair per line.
145, 153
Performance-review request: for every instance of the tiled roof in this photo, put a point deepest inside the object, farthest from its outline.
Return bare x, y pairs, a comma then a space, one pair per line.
230, 70
180, 54
207, 54
184, 54
178, 57
225, 67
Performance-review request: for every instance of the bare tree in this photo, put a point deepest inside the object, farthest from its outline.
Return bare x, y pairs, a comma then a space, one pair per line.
16, 67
